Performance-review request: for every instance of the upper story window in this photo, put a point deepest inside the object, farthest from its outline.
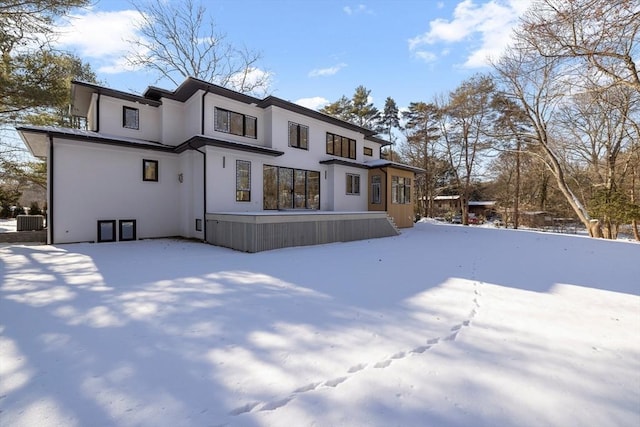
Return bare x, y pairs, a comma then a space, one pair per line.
341, 146
367, 151
298, 136
130, 118
235, 123
149, 170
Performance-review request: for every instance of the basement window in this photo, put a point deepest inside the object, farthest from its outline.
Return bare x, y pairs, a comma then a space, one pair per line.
127, 229
106, 231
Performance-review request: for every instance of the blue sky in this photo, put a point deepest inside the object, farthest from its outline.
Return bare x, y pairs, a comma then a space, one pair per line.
319, 50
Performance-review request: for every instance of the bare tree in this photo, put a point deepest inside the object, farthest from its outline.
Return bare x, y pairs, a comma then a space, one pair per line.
598, 124
602, 34
179, 40
536, 84
464, 127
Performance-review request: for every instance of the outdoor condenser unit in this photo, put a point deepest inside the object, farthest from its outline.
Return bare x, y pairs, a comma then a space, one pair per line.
29, 222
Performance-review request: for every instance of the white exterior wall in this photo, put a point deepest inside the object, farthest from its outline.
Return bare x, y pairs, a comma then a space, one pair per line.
94, 182
221, 181
212, 101
192, 124
191, 194
173, 122
342, 200
150, 128
375, 148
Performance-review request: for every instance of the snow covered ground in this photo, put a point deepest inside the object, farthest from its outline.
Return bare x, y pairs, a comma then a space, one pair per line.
444, 325
8, 225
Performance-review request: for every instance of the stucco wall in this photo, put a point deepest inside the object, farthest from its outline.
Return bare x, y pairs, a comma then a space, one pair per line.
94, 182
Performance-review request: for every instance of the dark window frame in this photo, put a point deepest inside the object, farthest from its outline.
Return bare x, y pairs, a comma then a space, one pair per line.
125, 122
198, 224
346, 147
312, 200
249, 123
240, 192
112, 222
353, 182
146, 165
367, 151
298, 143
400, 190
121, 222
376, 190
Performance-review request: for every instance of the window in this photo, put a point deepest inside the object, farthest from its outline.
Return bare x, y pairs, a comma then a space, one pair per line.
127, 229
235, 123
198, 224
376, 182
400, 190
149, 170
243, 181
107, 231
288, 188
130, 118
341, 146
353, 184
298, 136
367, 151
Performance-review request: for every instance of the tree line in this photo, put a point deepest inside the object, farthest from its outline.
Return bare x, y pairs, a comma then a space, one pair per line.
553, 127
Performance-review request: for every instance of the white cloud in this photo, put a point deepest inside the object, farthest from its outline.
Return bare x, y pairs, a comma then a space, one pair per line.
361, 8
330, 71
313, 103
101, 37
426, 56
253, 76
487, 27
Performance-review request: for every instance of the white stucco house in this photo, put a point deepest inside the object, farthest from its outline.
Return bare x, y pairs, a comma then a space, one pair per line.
208, 163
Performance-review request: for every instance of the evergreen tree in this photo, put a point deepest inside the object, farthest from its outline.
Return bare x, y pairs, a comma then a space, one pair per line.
365, 114
390, 120
357, 110
341, 109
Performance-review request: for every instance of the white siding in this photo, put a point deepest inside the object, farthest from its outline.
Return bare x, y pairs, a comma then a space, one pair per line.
191, 194
94, 182
173, 122
111, 119
212, 101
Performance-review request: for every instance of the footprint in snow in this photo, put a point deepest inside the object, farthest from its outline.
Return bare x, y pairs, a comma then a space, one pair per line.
248, 407
451, 337
334, 382
433, 341
357, 368
399, 355
383, 364
277, 404
421, 349
307, 387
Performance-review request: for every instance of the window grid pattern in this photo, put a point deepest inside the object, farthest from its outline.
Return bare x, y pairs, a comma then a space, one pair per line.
400, 190
353, 184
341, 146
298, 136
235, 123
243, 181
